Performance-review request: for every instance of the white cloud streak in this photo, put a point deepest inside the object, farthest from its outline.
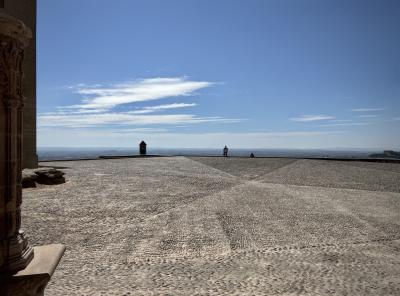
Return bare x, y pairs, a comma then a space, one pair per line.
141, 130
368, 116
341, 121
367, 109
345, 124
126, 118
137, 91
151, 109
308, 118
97, 108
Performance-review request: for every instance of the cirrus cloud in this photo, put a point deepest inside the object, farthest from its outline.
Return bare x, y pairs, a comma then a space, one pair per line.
367, 109
105, 98
97, 108
308, 118
124, 118
151, 109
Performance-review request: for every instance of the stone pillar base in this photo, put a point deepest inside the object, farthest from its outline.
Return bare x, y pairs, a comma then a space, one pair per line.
20, 255
32, 280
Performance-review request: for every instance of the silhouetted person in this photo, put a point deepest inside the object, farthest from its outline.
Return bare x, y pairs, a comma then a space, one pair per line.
252, 155
225, 151
142, 148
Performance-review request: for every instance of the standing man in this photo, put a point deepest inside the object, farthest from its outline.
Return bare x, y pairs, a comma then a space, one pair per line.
225, 151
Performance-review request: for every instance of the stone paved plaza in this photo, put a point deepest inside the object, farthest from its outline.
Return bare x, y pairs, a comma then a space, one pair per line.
220, 226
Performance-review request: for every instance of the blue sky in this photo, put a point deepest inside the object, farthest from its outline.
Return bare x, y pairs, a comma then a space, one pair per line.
247, 74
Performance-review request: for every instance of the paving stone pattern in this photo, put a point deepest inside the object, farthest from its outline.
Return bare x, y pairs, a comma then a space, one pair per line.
220, 226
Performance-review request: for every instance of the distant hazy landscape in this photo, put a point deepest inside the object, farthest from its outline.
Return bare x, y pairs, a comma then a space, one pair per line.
60, 153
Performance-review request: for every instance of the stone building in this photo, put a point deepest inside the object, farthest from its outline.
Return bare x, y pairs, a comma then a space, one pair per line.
24, 270
25, 10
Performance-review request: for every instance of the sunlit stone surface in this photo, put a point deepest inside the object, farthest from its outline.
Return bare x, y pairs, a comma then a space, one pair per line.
231, 226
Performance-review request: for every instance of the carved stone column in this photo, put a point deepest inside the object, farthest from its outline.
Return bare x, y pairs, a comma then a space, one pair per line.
15, 253
24, 271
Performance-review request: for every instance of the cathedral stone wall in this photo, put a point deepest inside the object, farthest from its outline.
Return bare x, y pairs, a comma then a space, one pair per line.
25, 10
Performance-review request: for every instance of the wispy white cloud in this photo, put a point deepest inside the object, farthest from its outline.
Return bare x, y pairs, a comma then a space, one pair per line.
124, 118
72, 110
151, 109
341, 121
82, 85
361, 120
97, 108
367, 109
345, 124
308, 118
139, 130
105, 98
368, 116
396, 118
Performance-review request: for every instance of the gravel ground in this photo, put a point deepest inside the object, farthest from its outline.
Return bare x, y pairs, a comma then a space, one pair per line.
337, 174
220, 226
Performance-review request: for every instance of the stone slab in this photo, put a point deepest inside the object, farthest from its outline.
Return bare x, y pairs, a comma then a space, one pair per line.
32, 280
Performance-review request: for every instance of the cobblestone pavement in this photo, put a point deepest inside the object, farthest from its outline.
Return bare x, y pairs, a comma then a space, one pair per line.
220, 226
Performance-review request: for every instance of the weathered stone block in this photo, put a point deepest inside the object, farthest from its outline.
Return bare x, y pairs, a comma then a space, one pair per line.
49, 176
28, 179
32, 280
